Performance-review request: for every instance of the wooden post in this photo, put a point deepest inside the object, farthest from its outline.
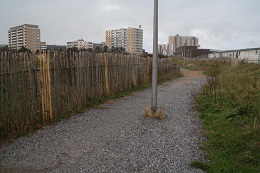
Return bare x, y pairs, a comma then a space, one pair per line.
49, 86
148, 68
106, 73
42, 84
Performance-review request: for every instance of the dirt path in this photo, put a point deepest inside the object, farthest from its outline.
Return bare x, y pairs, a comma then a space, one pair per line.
116, 137
195, 74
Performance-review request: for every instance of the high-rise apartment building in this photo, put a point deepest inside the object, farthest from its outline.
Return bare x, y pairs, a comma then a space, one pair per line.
131, 39
178, 41
80, 44
163, 49
26, 35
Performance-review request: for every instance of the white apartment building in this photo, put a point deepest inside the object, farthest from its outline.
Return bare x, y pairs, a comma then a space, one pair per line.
131, 39
163, 49
26, 35
179, 41
80, 44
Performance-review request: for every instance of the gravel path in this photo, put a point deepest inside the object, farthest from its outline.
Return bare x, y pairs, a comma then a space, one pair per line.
116, 137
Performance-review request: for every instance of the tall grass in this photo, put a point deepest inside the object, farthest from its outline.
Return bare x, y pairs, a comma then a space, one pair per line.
229, 106
193, 63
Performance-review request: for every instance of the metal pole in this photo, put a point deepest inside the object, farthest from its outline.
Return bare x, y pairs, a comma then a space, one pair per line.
155, 56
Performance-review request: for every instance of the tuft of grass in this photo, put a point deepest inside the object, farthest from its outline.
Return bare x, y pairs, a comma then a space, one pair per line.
229, 106
159, 114
201, 165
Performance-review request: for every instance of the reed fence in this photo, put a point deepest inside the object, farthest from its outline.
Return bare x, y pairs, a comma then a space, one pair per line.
35, 89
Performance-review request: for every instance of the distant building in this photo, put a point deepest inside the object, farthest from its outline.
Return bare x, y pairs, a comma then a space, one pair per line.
191, 51
249, 54
178, 41
44, 46
80, 44
100, 45
131, 39
26, 35
163, 49
56, 47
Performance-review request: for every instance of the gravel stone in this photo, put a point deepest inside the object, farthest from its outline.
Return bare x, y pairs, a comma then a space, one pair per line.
116, 137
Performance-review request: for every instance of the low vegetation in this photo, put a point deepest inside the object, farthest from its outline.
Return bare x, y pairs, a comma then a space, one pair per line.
192, 63
229, 107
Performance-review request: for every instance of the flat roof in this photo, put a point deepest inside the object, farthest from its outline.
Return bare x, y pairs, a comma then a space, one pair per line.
25, 25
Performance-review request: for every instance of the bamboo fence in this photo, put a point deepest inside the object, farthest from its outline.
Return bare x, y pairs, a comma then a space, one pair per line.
34, 89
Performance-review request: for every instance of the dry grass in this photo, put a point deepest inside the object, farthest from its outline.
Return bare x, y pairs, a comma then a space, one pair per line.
229, 106
159, 114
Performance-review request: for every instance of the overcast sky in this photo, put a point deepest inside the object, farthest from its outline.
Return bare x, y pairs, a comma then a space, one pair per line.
219, 24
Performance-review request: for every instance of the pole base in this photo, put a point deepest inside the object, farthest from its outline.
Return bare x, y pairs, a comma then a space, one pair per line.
159, 114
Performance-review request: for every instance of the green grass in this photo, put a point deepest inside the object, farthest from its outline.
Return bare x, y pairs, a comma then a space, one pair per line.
194, 64
229, 106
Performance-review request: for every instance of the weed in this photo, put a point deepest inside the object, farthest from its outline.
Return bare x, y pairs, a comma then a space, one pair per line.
201, 165
229, 106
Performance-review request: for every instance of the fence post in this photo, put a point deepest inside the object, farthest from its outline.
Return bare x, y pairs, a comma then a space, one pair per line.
148, 69
106, 73
46, 86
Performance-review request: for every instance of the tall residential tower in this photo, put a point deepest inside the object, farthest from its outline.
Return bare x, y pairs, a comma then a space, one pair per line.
26, 35
131, 39
178, 41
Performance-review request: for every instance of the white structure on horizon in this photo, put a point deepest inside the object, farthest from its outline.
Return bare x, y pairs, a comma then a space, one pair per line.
249, 55
80, 44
